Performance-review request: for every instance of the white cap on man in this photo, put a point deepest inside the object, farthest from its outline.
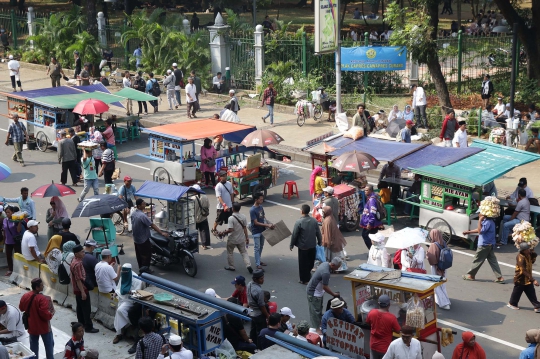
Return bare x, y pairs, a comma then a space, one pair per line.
32, 223
329, 190
169, 72
175, 339
211, 292
231, 91
174, 64
11, 57
286, 311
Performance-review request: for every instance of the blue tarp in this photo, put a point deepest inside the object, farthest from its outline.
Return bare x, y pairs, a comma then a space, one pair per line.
435, 155
51, 91
382, 150
238, 136
163, 191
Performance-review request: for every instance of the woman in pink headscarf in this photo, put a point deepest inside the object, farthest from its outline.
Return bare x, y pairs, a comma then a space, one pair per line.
54, 216
316, 183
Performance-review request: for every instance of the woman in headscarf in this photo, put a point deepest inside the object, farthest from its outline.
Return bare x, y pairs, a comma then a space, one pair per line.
378, 255
332, 239
54, 216
433, 255
394, 114
97, 137
413, 257
67, 254
208, 155
316, 183
408, 114
126, 284
532, 336
53, 253
469, 348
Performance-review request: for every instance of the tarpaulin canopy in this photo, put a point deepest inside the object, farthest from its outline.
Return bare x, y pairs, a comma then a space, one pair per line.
135, 95
163, 191
54, 91
483, 167
330, 145
382, 150
198, 129
435, 155
68, 102
98, 87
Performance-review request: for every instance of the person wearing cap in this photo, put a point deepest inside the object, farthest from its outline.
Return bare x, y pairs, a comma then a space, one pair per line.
383, 325
54, 70
235, 332
127, 193
41, 310
169, 83
225, 198
449, 128
126, 83
523, 278
201, 211
273, 327
140, 85
507, 114
178, 83
259, 313
487, 90
29, 246
11, 321
284, 325
522, 212
175, 349
404, 347
89, 263
218, 83
24, 202
67, 156
235, 107
317, 286
381, 120
240, 291
301, 331
269, 97
522, 184
337, 310
17, 132
191, 98
85, 75
237, 238
406, 132
378, 255
499, 109
331, 201
82, 297
419, 104
106, 275
211, 292
306, 235
14, 73
89, 174
460, 137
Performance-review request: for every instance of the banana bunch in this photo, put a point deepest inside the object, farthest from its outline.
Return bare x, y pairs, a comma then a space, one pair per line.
490, 207
524, 232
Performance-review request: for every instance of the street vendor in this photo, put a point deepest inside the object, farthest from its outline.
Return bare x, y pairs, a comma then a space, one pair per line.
390, 170
25, 203
369, 221
316, 183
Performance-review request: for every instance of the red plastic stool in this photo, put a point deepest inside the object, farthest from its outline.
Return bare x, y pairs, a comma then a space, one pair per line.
290, 189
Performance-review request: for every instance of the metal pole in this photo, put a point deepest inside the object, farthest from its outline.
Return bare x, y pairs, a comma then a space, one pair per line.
14, 28
338, 62
514, 67
366, 43
304, 65
460, 55
518, 45
126, 46
479, 121
254, 13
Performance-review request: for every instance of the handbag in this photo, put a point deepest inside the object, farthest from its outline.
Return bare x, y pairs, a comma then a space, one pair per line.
17, 239
210, 162
26, 314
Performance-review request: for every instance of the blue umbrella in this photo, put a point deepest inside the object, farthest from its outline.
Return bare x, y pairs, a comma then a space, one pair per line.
5, 172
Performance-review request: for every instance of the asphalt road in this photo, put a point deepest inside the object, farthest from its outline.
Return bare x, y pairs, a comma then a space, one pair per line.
478, 306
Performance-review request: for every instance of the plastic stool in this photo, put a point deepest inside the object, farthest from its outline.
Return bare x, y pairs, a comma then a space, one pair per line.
412, 215
389, 209
290, 189
120, 135
220, 162
134, 132
234, 159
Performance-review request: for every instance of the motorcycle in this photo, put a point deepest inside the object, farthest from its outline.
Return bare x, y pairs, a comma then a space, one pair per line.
503, 58
177, 248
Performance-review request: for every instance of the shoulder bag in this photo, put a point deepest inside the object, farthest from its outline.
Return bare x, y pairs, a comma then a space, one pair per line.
18, 238
26, 314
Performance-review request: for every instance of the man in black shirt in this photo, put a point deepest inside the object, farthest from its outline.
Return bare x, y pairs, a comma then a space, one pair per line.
273, 327
78, 66
66, 234
89, 261
76, 140
178, 75
235, 333
140, 85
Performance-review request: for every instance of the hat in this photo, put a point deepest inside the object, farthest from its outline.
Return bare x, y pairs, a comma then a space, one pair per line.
409, 122
174, 64
407, 330
523, 246
126, 265
76, 52
139, 201
286, 311
461, 123
329, 190
303, 327
196, 186
175, 339
377, 237
381, 111
336, 303
32, 223
127, 178
77, 248
11, 57
2, 304
231, 91
222, 173
90, 243
384, 301
508, 105
257, 274
169, 71
239, 280
211, 292
106, 252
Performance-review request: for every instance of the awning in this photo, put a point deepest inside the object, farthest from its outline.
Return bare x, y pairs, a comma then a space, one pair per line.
163, 191
325, 146
68, 102
135, 95
483, 167
199, 129
435, 155
382, 150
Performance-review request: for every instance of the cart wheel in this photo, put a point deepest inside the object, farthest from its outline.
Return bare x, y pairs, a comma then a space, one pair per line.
190, 266
259, 189
118, 222
42, 141
317, 112
161, 175
350, 226
300, 120
442, 226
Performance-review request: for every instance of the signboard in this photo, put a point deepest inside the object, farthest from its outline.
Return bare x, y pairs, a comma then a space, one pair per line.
373, 58
326, 26
345, 338
213, 336
447, 183
362, 294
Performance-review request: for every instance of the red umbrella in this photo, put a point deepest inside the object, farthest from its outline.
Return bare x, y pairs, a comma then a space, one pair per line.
91, 107
53, 189
355, 162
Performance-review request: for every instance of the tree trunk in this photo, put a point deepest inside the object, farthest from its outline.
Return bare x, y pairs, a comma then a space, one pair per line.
91, 13
472, 9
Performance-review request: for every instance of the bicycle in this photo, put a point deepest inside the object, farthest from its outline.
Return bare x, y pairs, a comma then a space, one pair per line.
303, 107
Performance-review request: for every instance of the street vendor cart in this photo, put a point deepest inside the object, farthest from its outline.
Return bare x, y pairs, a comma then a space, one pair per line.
369, 282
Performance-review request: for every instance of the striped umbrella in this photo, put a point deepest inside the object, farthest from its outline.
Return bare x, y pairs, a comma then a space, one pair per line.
53, 189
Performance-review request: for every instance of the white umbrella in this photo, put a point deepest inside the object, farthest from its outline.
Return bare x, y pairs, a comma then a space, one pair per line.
407, 237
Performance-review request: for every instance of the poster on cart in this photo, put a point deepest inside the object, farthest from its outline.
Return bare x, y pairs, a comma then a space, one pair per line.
213, 336
345, 338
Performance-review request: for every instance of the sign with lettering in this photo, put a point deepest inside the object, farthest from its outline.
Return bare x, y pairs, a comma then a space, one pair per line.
446, 183
363, 293
326, 26
213, 336
430, 202
373, 58
345, 338
456, 192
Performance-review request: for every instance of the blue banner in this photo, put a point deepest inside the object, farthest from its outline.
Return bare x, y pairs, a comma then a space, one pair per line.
376, 58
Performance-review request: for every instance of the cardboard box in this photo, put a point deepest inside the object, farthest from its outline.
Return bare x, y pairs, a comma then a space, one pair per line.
253, 161
276, 235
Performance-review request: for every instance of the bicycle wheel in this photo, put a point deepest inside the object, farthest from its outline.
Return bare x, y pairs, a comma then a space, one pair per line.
317, 112
118, 221
300, 120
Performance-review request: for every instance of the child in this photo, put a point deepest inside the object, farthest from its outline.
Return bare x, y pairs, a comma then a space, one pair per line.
271, 307
384, 192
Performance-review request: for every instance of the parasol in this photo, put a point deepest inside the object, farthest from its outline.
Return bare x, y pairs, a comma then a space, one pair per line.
407, 237
5, 172
355, 162
53, 189
91, 107
261, 138
394, 126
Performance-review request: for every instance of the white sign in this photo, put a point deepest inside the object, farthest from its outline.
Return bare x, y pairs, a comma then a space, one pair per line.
326, 26
363, 293
345, 338
213, 336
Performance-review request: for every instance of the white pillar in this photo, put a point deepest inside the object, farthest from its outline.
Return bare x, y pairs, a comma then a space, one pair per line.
102, 30
219, 51
413, 75
185, 24
31, 24
259, 54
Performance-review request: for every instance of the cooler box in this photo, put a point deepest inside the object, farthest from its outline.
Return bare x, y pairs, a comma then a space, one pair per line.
16, 348
343, 190
96, 225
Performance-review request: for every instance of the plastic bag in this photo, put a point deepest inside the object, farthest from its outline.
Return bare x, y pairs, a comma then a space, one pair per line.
225, 351
354, 132
342, 122
416, 317
320, 256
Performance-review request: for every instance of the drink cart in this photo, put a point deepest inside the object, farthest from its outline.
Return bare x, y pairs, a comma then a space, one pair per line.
251, 179
369, 282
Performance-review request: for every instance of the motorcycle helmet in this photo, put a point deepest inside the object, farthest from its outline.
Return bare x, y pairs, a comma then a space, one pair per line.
66, 223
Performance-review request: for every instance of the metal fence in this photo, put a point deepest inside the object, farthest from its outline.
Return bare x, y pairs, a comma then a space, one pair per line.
242, 62
16, 22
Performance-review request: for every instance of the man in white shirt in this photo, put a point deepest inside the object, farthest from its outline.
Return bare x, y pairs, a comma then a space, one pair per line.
106, 276
460, 137
126, 83
29, 247
175, 349
499, 109
419, 104
217, 83
354, 35
225, 198
522, 184
11, 319
14, 68
238, 238
191, 98
405, 347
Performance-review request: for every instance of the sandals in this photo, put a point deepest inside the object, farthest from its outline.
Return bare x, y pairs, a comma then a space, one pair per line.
468, 277
499, 280
230, 268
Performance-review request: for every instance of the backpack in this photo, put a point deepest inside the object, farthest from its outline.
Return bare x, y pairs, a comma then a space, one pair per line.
397, 258
445, 258
141, 85
156, 90
63, 276
398, 136
381, 210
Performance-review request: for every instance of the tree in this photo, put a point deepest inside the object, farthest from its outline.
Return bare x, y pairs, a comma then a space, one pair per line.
416, 28
91, 22
528, 31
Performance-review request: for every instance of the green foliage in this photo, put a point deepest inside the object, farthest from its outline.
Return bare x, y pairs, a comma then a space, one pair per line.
237, 24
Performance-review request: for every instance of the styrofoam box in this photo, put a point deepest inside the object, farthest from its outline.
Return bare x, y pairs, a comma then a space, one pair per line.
19, 347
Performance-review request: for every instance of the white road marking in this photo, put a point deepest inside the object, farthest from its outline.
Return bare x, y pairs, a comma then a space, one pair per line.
131, 164
1, 129
283, 205
500, 263
289, 165
478, 334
